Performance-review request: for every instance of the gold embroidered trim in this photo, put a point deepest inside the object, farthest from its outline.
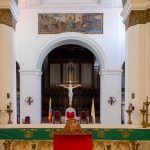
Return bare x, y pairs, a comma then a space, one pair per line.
137, 17
28, 133
125, 133
7, 18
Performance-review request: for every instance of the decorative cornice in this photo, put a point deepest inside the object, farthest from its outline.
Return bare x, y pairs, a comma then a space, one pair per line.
137, 17
111, 72
7, 18
30, 72
12, 5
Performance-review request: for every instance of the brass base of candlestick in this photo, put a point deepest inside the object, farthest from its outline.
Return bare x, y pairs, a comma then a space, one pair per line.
143, 123
129, 116
129, 111
9, 111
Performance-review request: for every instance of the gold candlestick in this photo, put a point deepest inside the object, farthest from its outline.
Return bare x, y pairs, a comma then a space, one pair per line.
147, 103
9, 111
129, 111
143, 111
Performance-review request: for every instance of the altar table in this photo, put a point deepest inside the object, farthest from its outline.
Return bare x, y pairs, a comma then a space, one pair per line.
35, 137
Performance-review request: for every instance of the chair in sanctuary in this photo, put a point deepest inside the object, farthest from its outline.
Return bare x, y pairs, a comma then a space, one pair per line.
83, 117
56, 117
70, 113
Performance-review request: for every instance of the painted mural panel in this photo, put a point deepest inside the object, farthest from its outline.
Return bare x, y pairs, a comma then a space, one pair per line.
89, 23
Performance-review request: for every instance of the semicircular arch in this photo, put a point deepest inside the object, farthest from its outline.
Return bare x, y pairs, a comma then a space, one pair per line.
71, 38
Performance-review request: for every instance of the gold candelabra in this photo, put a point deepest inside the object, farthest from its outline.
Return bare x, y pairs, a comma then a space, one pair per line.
129, 111
145, 114
9, 111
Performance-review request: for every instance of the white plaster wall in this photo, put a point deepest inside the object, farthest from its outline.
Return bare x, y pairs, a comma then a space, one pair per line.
30, 42
30, 46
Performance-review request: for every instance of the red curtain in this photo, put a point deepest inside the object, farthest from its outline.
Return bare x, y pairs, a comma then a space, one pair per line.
72, 142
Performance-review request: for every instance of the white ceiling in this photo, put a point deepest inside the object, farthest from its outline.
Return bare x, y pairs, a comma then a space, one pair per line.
99, 3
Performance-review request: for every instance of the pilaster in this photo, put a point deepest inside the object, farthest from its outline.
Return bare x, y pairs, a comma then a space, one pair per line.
110, 87
30, 86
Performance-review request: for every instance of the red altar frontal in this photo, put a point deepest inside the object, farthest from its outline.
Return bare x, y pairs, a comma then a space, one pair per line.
72, 137
72, 142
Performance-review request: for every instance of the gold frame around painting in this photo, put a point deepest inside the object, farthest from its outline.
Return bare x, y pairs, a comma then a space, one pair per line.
88, 23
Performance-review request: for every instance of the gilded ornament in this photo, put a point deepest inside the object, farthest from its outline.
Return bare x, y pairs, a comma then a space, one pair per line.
28, 133
135, 145
21, 145
137, 17
125, 133
7, 18
44, 145
72, 127
102, 133
7, 144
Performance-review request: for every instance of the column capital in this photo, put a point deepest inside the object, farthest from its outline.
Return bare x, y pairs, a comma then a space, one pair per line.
9, 12
110, 72
30, 72
136, 12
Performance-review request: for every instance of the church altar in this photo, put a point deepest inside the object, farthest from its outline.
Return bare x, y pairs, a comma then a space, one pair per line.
40, 137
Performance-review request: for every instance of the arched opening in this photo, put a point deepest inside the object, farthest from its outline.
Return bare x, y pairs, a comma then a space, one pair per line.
123, 94
18, 91
65, 39
85, 72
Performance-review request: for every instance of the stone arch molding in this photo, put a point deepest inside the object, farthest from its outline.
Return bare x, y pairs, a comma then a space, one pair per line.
71, 38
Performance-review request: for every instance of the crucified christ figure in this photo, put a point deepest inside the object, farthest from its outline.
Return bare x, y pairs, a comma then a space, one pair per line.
70, 88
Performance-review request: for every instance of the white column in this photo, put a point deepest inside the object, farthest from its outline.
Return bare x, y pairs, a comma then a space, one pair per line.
7, 73
147, 62
110, 87
30, 86
135, 70
8, 18
137, 56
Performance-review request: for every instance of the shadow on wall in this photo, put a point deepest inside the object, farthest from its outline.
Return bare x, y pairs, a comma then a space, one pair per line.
124, 2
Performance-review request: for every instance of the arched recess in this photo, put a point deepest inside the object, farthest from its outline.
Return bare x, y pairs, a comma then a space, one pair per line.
71, 38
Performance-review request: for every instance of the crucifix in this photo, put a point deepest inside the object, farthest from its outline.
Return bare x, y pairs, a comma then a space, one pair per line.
70, 86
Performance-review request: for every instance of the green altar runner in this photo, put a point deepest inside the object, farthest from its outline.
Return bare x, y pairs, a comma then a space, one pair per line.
97, 134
